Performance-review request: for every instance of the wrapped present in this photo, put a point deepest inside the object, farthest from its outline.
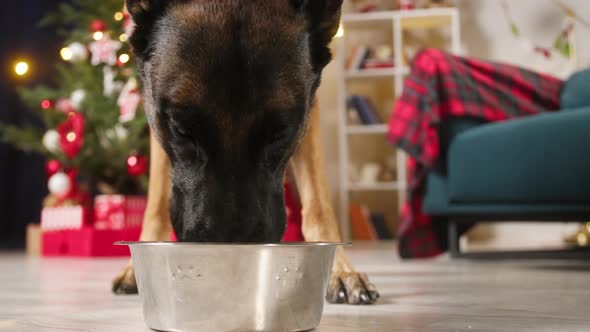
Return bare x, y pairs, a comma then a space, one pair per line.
88, 242
118, 211
65, 217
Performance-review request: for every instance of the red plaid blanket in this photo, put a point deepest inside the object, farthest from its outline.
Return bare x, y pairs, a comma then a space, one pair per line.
440, 86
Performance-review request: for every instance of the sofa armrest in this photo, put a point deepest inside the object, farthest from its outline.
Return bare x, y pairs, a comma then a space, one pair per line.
544, 158
576, 91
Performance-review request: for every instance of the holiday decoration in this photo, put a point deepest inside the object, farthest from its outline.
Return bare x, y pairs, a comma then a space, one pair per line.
92, 125
118, 212
51, 141
104, 51
77, 97
65, 105
59, 184
77, 52
46, 104
98, 25
137, 165
110, 85
128, 101
71, 134
52, 167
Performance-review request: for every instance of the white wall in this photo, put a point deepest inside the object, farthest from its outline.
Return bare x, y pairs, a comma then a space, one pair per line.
486, 34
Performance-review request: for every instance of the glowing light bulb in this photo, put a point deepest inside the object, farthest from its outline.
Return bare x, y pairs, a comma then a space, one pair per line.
71, 137
340, 32
123, 38
119, 16
66, 53
46, 104
98, 35
124, 58
21, 68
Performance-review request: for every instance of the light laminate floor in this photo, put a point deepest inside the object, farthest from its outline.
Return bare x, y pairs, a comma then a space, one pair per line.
441, 295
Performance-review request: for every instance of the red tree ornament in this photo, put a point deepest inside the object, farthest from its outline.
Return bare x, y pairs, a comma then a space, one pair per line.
71, 134
137, 165
46, 104
98, 25
52, 167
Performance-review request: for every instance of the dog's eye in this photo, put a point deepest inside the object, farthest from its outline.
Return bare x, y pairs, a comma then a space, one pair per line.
180, 131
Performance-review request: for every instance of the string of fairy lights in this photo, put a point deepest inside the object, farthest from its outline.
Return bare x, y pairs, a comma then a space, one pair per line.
22, 67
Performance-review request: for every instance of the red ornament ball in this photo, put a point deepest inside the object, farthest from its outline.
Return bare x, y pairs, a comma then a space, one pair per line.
52, 167
98, 25
46, 104
137, 165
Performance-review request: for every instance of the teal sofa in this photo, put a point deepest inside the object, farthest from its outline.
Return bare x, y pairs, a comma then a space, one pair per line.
528, 169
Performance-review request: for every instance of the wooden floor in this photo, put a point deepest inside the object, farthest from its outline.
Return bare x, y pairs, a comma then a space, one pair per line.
442, 295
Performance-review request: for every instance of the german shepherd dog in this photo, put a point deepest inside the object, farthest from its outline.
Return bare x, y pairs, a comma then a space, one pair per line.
229, 91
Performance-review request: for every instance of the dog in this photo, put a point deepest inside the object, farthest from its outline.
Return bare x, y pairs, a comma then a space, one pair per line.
229, 91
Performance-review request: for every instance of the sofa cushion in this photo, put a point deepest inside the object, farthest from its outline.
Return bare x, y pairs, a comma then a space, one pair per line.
540, 159
576, 91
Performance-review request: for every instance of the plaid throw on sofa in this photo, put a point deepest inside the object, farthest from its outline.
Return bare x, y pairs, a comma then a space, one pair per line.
440, 86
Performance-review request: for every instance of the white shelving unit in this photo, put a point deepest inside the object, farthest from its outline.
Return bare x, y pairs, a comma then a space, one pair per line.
398, 21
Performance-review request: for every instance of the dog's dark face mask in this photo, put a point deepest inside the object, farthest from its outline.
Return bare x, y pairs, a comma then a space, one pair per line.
228, 85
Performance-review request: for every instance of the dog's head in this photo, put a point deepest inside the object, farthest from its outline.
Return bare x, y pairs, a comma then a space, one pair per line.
228, 85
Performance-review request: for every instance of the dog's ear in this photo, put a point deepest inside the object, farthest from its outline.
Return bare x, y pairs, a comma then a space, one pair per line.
144, 13
323, 22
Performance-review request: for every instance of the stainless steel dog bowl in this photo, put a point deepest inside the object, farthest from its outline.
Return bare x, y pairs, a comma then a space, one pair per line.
232, 287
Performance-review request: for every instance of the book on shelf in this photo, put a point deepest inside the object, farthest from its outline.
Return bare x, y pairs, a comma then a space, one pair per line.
363, 58
367, 226
357, 58
360, 223
380, 226
365, 109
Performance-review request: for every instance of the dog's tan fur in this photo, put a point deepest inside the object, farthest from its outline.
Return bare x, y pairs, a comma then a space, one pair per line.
319, 220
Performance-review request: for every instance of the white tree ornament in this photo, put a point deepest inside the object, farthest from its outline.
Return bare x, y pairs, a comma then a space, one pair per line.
59, 184
105, 51
110, 85
51, 141
77, 98
129, 101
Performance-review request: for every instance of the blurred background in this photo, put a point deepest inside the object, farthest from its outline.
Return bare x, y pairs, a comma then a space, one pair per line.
75, 139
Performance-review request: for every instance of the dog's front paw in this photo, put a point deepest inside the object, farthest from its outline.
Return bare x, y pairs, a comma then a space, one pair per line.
351, 288
125, 282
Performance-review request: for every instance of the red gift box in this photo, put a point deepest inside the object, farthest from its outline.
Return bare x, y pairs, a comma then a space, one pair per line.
88, 242
65, 217
118, 212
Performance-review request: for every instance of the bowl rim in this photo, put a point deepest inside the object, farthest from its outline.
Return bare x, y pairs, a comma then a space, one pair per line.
240, 245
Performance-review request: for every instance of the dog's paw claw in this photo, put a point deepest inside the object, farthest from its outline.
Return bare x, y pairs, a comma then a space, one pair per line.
351, 288
125, 282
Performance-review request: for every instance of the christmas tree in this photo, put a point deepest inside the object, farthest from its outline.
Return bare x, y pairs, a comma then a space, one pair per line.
96, 135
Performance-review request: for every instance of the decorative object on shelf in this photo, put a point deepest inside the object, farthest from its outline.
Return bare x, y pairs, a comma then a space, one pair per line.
369, 173
365, 6
389, 174
407, 4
